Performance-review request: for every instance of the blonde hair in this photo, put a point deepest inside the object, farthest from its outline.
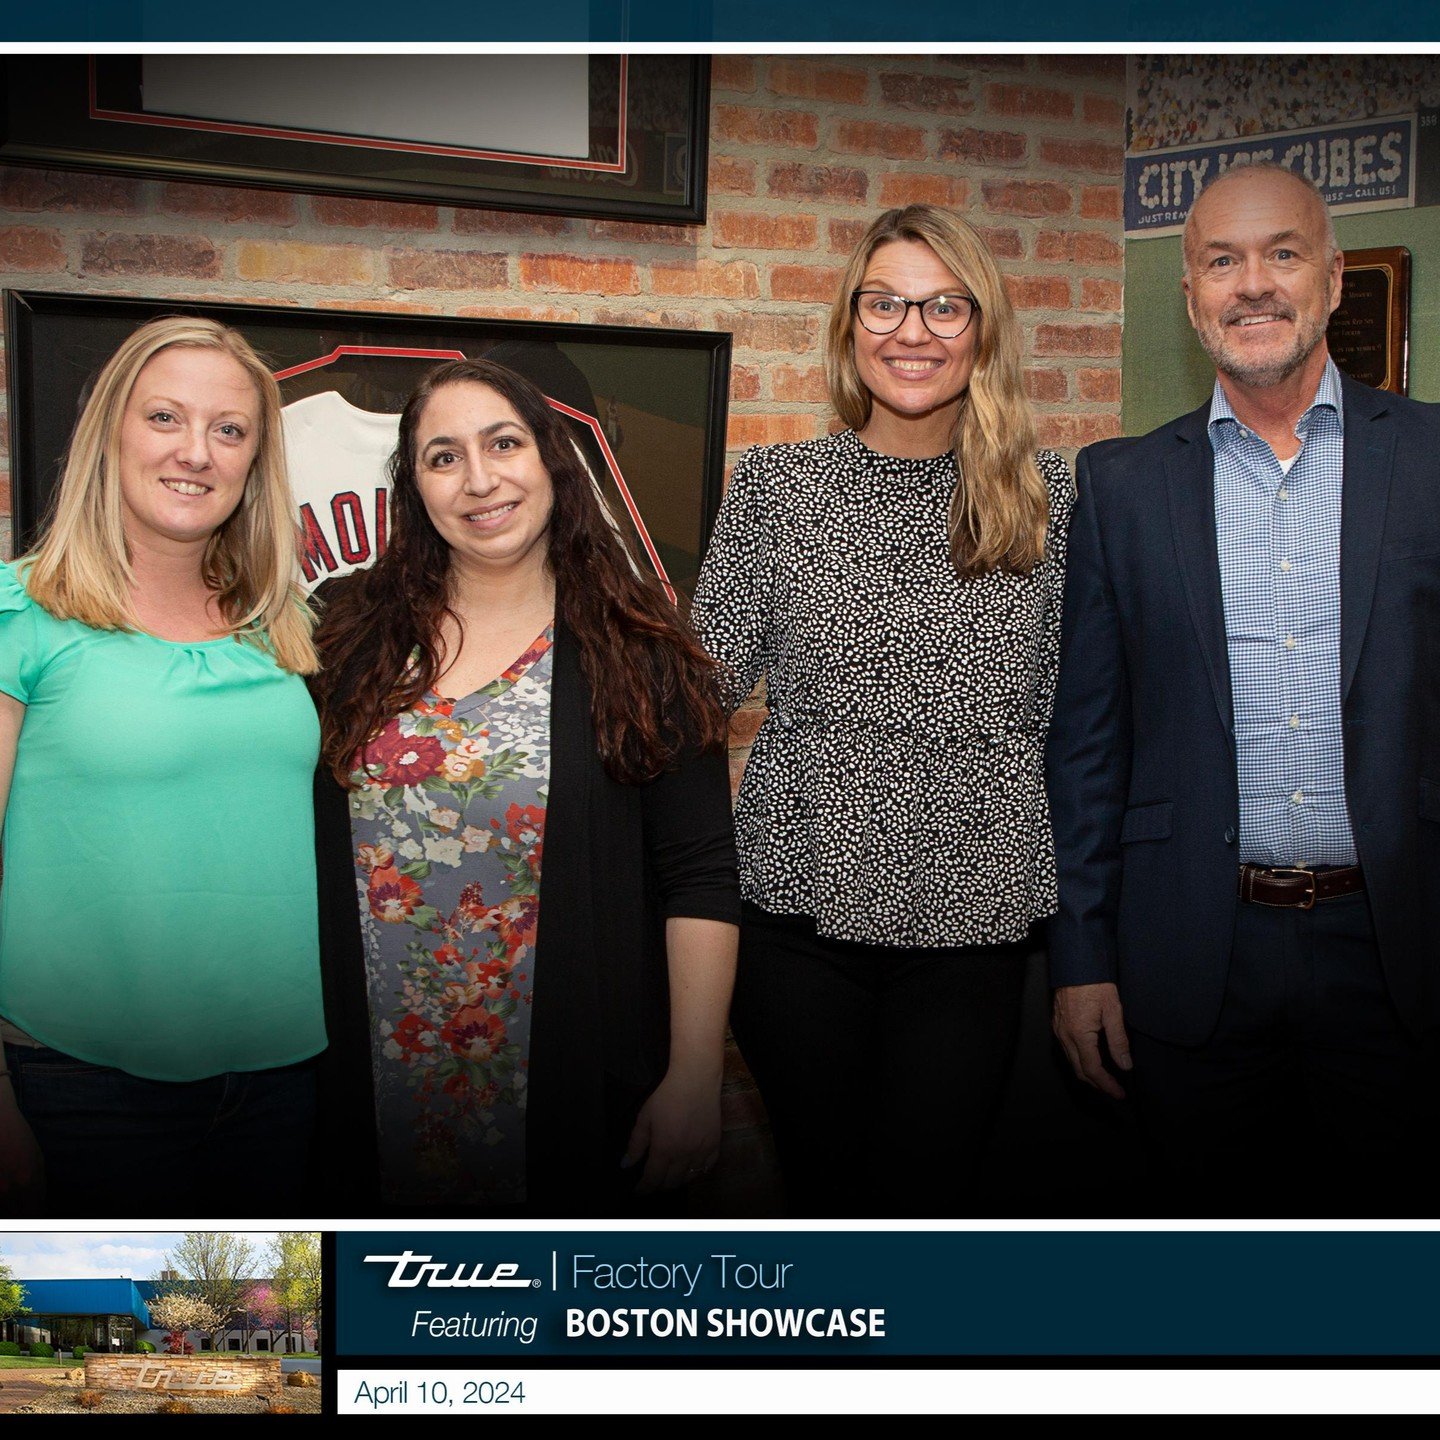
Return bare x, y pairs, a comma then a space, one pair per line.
999, 507
80, 570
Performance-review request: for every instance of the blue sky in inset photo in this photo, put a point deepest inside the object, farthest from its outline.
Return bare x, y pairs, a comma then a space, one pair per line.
89, 1255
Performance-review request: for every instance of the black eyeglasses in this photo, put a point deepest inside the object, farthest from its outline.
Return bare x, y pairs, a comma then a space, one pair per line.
946, 317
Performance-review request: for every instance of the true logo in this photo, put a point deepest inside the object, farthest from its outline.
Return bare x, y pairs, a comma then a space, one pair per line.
412, 1270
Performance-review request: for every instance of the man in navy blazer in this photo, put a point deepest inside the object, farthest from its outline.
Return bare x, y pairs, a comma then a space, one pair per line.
1244, 764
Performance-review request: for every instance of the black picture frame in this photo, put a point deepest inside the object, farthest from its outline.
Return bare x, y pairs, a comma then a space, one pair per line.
647, 406
649, 141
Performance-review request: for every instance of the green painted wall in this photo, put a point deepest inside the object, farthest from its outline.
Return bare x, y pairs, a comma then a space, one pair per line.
1165, 370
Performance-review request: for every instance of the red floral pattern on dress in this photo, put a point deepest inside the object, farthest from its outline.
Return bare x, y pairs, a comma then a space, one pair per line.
412, 1034
448, 817
393, 897
397, 759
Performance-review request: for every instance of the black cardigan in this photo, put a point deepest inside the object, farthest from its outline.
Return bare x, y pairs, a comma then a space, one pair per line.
619, 861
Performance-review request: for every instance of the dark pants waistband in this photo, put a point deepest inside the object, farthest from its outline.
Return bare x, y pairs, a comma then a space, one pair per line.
1296, 888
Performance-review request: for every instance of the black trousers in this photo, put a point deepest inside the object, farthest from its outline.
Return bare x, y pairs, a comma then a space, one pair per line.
141, 1144
1310, 1099
881, 1066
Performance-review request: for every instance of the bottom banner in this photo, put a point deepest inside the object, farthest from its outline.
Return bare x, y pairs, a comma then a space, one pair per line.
635, 1390
679, 1322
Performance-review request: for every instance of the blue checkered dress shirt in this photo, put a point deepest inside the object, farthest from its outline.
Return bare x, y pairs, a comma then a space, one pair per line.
1279, 539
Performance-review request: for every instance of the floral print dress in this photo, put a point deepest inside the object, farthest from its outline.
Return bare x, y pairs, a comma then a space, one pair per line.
448, 822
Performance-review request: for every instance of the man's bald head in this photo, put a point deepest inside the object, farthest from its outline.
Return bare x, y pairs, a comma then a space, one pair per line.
1308, 199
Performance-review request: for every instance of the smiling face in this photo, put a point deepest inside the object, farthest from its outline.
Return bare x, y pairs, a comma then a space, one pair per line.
916, 381
188, 438
1261, 281
481, 478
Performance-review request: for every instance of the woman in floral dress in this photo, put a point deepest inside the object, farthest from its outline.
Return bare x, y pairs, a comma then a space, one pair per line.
502, 689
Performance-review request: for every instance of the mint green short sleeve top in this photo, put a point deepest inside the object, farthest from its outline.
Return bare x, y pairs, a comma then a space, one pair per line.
158, 909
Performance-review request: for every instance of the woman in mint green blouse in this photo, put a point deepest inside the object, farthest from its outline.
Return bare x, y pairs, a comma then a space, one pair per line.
159, 972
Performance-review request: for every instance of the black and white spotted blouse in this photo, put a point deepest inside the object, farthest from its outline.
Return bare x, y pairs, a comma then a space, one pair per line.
896, 790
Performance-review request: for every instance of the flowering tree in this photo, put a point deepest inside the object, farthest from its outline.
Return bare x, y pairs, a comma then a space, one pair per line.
176, 1313
267, 1311
217, 1267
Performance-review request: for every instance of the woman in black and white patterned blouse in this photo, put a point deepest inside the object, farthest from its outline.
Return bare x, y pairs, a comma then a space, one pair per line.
897, 586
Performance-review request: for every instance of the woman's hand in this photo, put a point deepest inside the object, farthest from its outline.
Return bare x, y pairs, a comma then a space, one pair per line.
677, 1131
678, 1128
22, 1171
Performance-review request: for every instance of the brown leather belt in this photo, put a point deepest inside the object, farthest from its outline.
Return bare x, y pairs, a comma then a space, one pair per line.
1298, 889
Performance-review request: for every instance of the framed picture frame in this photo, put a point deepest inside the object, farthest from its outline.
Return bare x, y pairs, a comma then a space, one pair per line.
646, 408
1369, 333
607, 136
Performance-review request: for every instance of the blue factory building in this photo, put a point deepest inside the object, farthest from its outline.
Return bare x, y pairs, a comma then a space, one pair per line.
99, 1314
112, 1316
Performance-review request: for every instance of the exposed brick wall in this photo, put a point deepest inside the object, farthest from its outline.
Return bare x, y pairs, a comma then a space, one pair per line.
804, 151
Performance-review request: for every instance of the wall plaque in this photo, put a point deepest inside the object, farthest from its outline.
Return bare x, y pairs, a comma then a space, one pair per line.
1369, 335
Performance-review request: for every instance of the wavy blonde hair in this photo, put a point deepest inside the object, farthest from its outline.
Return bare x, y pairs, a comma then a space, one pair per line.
999, 507
80, 570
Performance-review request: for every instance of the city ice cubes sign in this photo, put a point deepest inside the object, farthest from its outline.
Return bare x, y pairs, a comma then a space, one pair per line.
1366, 166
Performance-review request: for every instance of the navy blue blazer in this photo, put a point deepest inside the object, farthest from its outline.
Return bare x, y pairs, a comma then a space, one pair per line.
1141, 760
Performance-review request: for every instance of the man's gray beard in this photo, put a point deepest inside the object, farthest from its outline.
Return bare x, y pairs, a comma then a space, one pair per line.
1262, 376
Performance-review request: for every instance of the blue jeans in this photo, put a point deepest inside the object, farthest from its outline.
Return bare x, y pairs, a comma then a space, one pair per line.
167, 1147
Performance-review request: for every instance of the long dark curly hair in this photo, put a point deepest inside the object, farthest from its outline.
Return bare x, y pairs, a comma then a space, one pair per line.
653, 689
